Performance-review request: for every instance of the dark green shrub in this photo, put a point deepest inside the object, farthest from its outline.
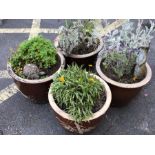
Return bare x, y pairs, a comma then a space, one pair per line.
38, 51
119, 64
76, 92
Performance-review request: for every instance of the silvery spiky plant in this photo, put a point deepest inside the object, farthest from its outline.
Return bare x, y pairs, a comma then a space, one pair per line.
129, 42
127, 37
79, 34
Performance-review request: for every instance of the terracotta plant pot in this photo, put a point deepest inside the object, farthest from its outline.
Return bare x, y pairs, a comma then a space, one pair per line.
123, 93
68, 123
81, 59
35, 89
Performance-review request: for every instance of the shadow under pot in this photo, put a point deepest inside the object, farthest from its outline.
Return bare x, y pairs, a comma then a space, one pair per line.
36, 90
87, 125
123, 93
81, 59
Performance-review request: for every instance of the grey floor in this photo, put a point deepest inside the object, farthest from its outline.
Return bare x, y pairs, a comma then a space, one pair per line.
19, 115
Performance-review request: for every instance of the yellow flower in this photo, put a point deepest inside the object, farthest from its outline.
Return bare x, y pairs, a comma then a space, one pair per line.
91, 79
90, 65
61, 79
134, 78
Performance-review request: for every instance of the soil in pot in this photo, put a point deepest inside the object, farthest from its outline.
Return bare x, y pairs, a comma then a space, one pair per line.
83, 49
100, 102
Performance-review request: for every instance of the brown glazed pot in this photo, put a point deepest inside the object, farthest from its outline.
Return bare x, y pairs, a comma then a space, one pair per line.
68, 123
36, 90
123, 93
81, 59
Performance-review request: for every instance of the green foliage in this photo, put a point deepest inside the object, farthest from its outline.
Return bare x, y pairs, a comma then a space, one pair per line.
119, 64
77, 35
38, 51
76, 91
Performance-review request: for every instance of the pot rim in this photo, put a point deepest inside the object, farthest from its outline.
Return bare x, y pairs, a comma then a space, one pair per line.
16, 77
80, 56
123, 85
95, 115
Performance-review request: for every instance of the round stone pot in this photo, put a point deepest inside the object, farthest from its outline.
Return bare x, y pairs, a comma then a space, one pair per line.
81, 59
36, 90
87, 125
123, 93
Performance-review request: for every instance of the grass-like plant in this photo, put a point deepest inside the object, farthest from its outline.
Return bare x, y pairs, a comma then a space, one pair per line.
37, 50
76, 92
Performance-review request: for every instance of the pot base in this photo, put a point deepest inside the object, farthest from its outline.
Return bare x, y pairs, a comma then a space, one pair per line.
122, 96
74, 127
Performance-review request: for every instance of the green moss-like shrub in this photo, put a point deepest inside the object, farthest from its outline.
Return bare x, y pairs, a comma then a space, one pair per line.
37, 50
